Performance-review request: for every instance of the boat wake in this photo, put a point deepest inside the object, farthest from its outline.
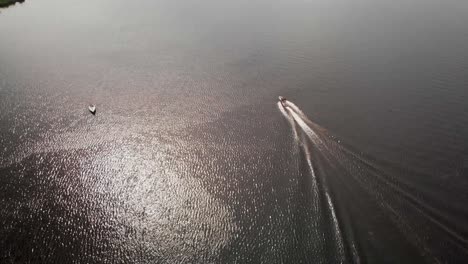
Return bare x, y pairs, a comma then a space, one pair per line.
362, 211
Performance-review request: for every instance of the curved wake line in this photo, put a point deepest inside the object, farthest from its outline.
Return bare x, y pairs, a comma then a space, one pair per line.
294, 120
371, 179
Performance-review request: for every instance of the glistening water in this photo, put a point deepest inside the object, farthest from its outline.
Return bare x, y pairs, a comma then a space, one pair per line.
191, 159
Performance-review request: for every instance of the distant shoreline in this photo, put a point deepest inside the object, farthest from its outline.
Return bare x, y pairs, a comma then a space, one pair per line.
6, 3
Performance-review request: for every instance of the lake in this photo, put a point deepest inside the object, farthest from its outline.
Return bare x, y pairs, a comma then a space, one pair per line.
190, 157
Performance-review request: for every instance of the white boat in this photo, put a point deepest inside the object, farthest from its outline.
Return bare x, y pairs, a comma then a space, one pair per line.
92, 109
282, 100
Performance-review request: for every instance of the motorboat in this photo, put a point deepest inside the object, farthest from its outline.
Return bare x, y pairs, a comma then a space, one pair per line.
282, 100
92, 109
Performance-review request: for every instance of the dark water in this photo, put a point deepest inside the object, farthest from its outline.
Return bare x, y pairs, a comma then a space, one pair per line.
190, 159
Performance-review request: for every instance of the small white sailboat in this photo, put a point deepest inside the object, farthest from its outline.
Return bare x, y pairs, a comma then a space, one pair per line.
92, 109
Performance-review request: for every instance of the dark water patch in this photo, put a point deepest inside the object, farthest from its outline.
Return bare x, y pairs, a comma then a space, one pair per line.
407, 209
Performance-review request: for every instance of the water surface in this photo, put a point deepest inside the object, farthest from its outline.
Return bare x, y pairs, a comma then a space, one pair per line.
189, 159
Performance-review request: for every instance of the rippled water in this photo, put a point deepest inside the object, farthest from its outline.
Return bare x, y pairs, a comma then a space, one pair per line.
190, 159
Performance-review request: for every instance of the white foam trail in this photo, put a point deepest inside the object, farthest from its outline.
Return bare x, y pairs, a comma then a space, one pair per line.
290, 120
296, 109
336, 226
315, 190
312, 135
332, 152
296, 116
